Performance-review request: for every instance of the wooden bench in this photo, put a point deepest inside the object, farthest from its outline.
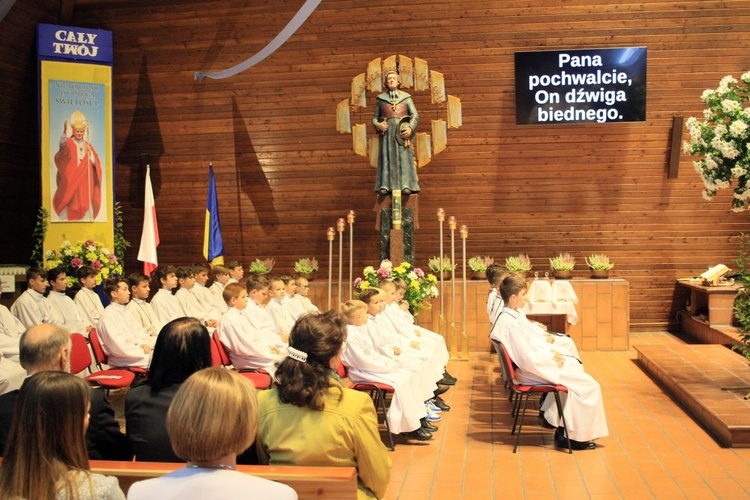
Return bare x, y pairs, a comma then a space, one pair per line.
308, 482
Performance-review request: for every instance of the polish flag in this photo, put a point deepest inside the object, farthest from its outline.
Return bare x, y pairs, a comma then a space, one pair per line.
150, 236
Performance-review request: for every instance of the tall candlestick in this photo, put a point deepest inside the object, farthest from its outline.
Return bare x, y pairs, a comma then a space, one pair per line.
330, 233
454, 332
441, 321
464, 338
340, 224
350, 220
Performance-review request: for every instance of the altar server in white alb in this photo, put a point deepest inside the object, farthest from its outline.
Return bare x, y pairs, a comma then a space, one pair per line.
11, 330
243, 344
32, 307
281, 314
212, 303
541, 362
64, 305
140, 289
164, 304
258, 316
301, 296
495, 275
220, 278
123, 339
191, 306
365, 364
86, 299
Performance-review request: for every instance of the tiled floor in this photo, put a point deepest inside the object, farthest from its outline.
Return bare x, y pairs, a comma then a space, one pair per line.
655, 450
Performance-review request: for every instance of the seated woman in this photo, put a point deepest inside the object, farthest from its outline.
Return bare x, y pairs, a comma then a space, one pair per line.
309, 400
212, 418
45, 456
182, 348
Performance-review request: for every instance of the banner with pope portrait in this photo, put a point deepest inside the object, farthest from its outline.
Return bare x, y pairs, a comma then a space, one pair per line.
76, 133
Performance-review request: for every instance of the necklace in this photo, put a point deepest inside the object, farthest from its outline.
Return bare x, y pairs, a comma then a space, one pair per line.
217, 466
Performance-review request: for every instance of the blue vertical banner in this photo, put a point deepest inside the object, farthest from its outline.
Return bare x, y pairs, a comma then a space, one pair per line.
76, 126
213, 245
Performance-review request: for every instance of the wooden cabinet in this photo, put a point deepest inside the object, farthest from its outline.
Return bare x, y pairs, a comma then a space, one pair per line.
709, 315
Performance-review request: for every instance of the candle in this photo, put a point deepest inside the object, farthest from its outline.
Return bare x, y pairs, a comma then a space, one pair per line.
340, 225
330, 233
350, 217
464, 231
441, 215
396, 211
452, 222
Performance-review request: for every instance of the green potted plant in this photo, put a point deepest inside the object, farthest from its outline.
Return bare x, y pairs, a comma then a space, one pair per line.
599, 265
264, 266
445, 271
518, 263
742, 301
306, 268
479, 265
562, 265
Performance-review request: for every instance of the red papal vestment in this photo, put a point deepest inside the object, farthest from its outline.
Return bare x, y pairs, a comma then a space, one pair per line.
79, 182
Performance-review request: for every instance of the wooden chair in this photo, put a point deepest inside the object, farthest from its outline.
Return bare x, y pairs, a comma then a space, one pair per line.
524, 391
80, 360
260, 378
378, 392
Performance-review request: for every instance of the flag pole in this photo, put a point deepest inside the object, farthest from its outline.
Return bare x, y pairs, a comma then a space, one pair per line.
350, 220
330, 233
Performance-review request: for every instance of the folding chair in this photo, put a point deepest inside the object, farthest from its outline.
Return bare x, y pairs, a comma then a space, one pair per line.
503, 371
524, 391
377, 392
80, 360
101, 357
260, 378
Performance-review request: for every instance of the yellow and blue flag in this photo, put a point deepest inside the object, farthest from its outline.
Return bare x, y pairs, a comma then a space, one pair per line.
213, 245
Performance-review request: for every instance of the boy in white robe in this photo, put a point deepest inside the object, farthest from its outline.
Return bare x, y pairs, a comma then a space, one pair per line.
281, 315
407, 410
213, 304
191, 306
236, 272
294, 307
86, 298
257, 314
11, 330
123, 339
495, 275
541, 362
221, 276
32, 307
164, 304
64, 305
301, 295
240, 339
140, 289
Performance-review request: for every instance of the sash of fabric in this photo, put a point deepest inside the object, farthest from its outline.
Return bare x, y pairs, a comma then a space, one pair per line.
299, 18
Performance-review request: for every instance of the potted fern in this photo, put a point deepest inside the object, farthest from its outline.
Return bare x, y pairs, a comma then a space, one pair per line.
518, 263
479, 265
306, 268
599, 265
562, 265
446, 269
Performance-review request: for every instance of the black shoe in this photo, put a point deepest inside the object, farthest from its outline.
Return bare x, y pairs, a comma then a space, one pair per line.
427, 426
582, 445
420, 435
543, 422
440, 403
446, 381
441, 390
448, 376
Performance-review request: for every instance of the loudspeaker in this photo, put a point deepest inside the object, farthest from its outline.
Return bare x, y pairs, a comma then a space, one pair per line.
675, 148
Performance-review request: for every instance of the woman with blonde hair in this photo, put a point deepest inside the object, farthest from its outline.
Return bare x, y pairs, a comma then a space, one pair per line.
309, 400
212, 419
45, 455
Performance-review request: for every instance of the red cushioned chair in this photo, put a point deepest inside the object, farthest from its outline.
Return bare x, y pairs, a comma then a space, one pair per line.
377, 391
524, 391
260, 378
101, 357
80, 360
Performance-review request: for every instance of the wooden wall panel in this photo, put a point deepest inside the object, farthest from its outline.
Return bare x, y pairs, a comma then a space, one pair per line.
284, 174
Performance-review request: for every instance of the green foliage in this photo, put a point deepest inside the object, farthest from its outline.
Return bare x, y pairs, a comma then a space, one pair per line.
479, 263
599, 262
121, 243
306, 266
518, 263
742, 301
563, 262
261, 266
434, 264
40, 231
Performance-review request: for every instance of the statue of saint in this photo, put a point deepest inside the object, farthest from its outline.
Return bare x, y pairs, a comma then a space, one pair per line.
396, 120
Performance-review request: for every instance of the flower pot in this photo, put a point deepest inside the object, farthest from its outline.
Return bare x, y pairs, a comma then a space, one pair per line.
561, 274
446, 275
307, 276
479, 275
600, 273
